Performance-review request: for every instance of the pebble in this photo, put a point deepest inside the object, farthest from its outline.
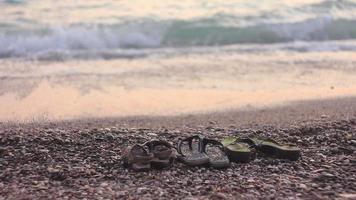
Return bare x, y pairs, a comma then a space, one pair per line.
348, 196
152, 134
303, 186
141, 190
217, 196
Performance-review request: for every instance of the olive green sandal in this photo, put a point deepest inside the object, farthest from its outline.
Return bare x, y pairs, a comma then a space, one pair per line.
163, 153
137, 158
190, 151
216, 154
237, 151
272, 148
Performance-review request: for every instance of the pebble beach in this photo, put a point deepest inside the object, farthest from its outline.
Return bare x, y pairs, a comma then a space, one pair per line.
81, 159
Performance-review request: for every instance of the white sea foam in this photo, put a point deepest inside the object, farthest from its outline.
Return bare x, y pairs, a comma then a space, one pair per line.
75, 38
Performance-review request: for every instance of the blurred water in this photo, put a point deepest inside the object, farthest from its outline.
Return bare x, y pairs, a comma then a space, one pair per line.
93, 28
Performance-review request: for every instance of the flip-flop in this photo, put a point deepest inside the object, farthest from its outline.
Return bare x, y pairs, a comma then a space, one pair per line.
137, 158
272, 148
237, 151
190, 154
163, 153
216, 154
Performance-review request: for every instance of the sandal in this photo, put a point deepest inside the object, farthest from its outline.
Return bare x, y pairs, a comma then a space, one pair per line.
216, 154
237, 151
163, 154
275, 149
137, 158
191, 154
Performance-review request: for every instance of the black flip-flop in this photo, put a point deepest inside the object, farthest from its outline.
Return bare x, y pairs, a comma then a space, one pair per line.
190, 154
216, 154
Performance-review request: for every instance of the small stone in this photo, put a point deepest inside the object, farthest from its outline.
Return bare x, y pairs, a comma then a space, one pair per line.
328, 175
191, 198
43, 150
314, 185
347, 161
348, 196
141, 190
324, 176
152, 134
121, 193
104, 184
218, 195
250, 180
303, 186
324, 116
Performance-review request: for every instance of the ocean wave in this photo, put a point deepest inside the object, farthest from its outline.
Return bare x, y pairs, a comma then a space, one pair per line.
331, 4
13, 1
172, 34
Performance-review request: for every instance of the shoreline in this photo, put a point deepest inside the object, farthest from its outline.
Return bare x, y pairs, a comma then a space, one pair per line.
293, 113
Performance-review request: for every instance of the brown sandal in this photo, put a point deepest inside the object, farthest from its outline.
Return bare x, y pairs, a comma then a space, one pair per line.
163, 153
137, 158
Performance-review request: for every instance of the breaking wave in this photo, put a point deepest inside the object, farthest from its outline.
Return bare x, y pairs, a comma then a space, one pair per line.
160, 34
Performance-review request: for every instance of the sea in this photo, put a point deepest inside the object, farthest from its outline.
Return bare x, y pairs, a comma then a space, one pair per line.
90, 59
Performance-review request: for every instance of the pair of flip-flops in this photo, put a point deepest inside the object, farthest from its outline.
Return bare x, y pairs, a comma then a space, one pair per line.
155, 154
243, 149
199, 151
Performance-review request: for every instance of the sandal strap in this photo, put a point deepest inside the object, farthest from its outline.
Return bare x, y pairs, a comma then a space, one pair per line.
162, 154
190, 141
142, 159
251, 142
131, 157
153, 143
213, 142
229, 140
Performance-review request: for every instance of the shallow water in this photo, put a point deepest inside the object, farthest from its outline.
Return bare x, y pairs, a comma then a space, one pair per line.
171, 84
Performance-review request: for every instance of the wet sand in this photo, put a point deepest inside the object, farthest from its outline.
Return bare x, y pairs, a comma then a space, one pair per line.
63, 103
35, 90
293, 113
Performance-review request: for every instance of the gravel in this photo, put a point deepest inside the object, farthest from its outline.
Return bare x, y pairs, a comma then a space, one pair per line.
84, 161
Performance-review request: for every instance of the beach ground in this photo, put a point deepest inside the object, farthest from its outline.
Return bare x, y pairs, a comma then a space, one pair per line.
82, 158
